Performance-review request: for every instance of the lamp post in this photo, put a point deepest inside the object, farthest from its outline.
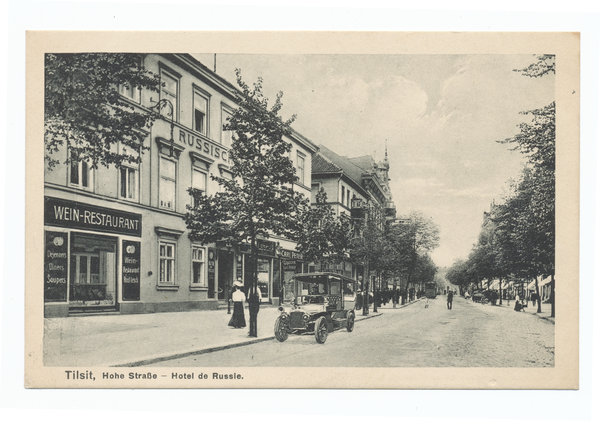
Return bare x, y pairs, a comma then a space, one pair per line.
229, 246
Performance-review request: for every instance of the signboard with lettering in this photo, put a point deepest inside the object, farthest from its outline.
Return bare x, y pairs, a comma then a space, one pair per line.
264, 247
291, 254
70, 214
289, 265
131, 270
55, 267
211, 271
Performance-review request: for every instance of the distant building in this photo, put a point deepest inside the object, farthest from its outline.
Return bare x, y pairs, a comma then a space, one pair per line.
351, 185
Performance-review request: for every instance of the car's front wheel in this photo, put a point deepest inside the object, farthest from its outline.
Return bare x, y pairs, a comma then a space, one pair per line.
281, 333
321, 330
350, 321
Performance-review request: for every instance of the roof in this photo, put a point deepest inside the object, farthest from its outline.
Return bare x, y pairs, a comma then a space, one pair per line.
351, 170
320, 164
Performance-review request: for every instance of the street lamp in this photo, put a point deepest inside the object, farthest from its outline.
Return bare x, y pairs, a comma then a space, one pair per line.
159, 106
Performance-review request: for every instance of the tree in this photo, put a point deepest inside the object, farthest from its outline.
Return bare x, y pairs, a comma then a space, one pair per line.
322, 236
537, 140
84, 111
259, 200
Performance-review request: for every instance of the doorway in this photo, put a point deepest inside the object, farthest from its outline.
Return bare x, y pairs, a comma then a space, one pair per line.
225, 274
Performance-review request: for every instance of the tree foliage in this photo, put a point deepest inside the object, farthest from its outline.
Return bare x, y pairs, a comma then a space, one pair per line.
519, 242
322, 236
84, 111
259, 200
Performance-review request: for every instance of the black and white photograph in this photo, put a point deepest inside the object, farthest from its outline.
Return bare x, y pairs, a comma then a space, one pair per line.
379, 207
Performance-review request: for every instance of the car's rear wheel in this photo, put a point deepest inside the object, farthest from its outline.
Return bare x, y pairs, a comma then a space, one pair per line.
350, 321
281, 333
321, 330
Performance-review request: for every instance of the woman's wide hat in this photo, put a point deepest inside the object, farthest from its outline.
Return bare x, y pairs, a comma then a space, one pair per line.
238, 284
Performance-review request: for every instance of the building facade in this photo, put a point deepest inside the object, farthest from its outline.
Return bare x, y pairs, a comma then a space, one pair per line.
351, 185
115, 239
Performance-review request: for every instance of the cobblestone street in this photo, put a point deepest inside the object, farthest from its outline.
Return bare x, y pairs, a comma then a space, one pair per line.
469, 335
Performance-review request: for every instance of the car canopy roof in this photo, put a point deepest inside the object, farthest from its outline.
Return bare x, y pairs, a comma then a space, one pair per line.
322, 277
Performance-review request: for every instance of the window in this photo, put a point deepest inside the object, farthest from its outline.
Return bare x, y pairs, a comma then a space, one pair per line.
129, 183
200, 113
130, 92
169, 91
198, 180
167, 184
300, 168
167, 263
198, 279
81, 175
226, 135
348, 198
343, 195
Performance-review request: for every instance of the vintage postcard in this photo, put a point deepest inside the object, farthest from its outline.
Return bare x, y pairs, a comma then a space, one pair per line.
404, 215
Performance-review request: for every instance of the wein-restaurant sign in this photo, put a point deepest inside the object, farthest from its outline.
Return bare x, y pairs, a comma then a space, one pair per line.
70, 214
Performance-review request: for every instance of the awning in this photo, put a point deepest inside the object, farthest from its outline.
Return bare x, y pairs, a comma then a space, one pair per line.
545, 281
494, 285
531, 286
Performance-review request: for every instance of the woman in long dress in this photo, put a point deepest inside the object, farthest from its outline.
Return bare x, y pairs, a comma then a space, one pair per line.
238, 297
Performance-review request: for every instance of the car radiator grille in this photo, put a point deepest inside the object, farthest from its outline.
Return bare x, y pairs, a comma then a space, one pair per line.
296, 321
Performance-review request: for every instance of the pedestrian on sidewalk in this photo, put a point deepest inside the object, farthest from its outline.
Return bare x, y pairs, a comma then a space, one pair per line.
238, 320
449, 300
518, 306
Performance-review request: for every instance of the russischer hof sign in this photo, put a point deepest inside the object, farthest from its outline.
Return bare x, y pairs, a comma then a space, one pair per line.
70, 214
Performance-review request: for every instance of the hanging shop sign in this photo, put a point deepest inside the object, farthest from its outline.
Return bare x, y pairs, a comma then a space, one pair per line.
55, 267
70, 214
211, 265
131, 270
265, 248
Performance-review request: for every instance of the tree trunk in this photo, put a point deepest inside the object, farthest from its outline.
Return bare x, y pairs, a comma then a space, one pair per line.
539, 298
552, 296
500, 289
367, 278
254, 297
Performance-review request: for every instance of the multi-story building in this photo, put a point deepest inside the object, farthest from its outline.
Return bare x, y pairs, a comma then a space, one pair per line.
352, 185
115, 239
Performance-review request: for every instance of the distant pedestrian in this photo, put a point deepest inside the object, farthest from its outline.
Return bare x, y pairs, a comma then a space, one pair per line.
238, 320
518, 306
426, 302
449, 300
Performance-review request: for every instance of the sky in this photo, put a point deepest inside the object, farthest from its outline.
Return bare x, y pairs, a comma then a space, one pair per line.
441, 115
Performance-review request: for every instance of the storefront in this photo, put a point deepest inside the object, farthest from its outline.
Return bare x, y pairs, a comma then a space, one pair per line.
92, 257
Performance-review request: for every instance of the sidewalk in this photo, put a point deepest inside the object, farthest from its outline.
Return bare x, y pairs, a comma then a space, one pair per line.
138, 339
530, 309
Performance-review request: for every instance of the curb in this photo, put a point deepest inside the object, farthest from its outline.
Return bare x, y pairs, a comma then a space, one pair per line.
153, 360
547, 318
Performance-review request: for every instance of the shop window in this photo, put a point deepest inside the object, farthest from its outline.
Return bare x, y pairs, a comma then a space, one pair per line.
166, 263
93, 270
200, 113
168, 182
129, 183
198, 262
300, 167
169, 91
81, 174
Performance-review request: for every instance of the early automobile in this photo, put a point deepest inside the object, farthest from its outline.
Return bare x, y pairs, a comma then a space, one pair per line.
323, 302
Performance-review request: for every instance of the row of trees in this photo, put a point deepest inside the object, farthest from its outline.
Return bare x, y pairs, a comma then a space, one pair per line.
518, 240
